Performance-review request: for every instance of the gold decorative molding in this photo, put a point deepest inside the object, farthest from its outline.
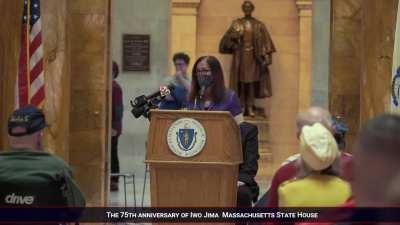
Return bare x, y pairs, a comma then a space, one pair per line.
186, 3
305, 7
183, 30
304, 4
185, 7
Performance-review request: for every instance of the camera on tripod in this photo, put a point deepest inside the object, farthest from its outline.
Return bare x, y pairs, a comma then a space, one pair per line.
142, 105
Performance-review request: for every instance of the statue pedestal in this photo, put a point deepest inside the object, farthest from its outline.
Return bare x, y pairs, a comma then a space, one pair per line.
265, 163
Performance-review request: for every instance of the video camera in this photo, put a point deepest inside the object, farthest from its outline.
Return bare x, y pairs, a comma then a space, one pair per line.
142, 104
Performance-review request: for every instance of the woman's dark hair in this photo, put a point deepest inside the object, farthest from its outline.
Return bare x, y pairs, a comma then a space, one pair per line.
115, 69
218, 87
340, 129
181, 56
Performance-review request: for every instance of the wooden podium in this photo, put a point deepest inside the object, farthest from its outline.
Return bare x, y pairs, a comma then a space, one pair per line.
207, 179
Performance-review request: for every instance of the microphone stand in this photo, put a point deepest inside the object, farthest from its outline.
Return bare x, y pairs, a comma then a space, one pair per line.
201, 98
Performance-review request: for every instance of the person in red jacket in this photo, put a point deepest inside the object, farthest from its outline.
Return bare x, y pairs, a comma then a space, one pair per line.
376, 168
292, 168
116, 124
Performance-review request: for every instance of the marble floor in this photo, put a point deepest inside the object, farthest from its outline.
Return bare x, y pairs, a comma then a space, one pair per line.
132, 164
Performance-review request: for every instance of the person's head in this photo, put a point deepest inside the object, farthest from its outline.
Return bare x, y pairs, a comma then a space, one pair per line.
339, 128
376, 160
207, 73
248, 8
313, 115
115, 69
318, 147
25, 128
181, 62
393, 192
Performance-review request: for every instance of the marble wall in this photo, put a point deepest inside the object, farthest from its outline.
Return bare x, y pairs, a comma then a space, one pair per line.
379, 21
88, 44
76, 43
346, 37
75, 39
57, 77
282, 20
362, 41
9, 43
321, 52
183, 32
139, 17
57, 80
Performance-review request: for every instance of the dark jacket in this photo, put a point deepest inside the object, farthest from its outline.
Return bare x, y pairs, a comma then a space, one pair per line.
117, 107
248, 169
179, 95
45, 178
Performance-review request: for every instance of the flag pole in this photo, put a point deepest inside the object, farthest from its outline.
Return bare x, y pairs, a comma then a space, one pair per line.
28, 55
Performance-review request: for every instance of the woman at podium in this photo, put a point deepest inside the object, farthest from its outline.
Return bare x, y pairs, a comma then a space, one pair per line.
208, 91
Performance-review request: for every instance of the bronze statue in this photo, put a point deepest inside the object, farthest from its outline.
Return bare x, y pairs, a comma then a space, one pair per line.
252, 48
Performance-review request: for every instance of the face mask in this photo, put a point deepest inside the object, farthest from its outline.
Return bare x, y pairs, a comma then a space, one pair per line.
204, 80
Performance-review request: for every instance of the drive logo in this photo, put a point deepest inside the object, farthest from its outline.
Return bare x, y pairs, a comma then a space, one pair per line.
19, 199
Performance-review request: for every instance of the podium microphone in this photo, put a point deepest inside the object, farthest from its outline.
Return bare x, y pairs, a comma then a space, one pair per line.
164, 91
201, 93
142, 104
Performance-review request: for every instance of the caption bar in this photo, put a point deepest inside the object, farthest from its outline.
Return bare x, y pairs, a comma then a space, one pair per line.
205, 215
225, 215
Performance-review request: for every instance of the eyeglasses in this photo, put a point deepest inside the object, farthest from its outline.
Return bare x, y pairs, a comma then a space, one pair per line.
180, 64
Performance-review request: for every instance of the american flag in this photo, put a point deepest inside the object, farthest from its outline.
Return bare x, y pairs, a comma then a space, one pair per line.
30, 87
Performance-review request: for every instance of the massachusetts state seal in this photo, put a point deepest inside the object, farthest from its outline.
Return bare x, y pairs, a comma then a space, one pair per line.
186, 137
396, 88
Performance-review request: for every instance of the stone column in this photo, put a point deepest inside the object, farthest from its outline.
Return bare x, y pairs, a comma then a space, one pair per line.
88, 45
184, 28
378, 33
345, 64
9, 53
320, 53
305, 51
